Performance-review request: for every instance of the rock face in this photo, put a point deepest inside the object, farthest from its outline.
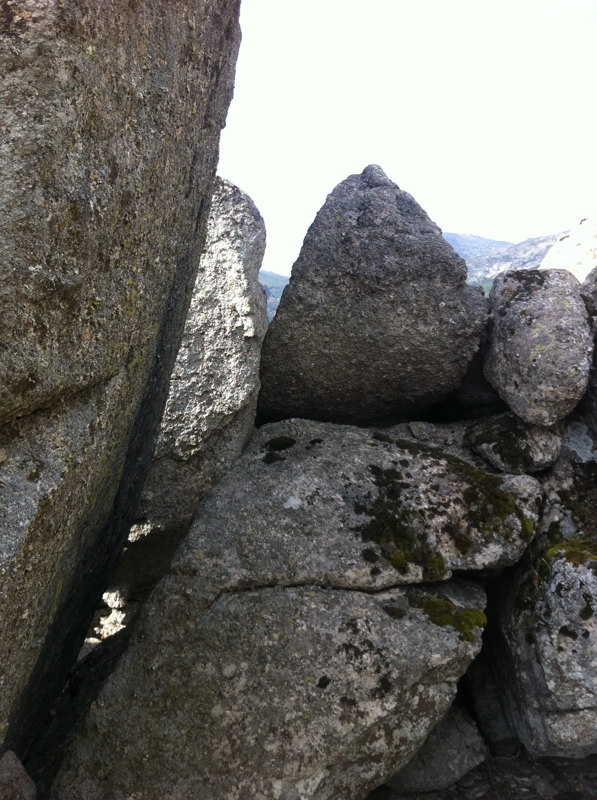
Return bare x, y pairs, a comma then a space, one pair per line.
376, 321
510, 445
111, 112
540, 344
453, 749
412, 511
15, 784
575, 251
265, 649
210, 412
547, 622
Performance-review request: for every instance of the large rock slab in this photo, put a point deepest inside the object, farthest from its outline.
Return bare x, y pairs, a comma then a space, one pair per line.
282, 656
305, 692
377, 321
111, 113
360, 507
15, 784
210, 411
540, 344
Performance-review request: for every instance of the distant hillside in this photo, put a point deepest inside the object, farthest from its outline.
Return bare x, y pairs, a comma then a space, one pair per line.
469, 246
524, 255
274, 286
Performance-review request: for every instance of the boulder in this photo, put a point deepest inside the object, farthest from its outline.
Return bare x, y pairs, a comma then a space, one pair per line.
540, 344
264, 665
15, 784
547, 622
112, 113
452, 750
575, 251
210, 411
363, 507
511, 445
377, 321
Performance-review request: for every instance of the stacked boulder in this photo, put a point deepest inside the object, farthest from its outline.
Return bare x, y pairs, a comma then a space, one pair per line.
331, 594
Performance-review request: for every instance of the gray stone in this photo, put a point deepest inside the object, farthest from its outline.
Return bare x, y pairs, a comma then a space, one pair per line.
511, 445
110, 115
548, 624
575, 251
210, 412
540, 344
452, 750
15, 784
263, 665
363, 508
377, 321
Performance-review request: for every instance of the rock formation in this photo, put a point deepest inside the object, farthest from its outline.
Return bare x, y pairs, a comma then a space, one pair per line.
377, 320
308, 685
112, 112
15, 784
540, 344
210, 412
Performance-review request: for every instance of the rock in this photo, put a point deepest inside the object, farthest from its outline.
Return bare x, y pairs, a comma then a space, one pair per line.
452, 750
15, 784
210, 412
588, 292
540, 344
264, 665
511, 445
362, 507
111, 115
377, 321
575, 251
548, 625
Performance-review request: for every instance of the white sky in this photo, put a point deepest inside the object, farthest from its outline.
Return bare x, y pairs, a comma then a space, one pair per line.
484, 110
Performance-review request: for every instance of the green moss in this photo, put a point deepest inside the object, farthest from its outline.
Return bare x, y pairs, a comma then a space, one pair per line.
443, 612
506, 435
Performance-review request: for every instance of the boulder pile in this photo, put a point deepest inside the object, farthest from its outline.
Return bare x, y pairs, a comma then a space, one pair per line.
370, 553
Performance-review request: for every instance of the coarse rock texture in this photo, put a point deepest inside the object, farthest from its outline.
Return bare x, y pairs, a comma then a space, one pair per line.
547, 622
210, 412
588, 291
453, 749
511, 445
360, 507
575, 251
111, 113
15, 784
540, 344
377, 322
281, 657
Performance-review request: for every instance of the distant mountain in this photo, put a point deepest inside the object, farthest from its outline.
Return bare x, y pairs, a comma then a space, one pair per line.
469, 246
274, 284
524, 255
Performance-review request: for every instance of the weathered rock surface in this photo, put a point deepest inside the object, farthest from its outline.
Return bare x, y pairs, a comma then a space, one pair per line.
110, 114
511, 445
361, 508
548, 624
210, 412
264, 664
377, 321
15, 784
540, 344
299, 692
575, 251
452, 750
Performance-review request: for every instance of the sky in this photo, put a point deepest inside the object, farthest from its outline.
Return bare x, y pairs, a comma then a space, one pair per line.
485, 111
